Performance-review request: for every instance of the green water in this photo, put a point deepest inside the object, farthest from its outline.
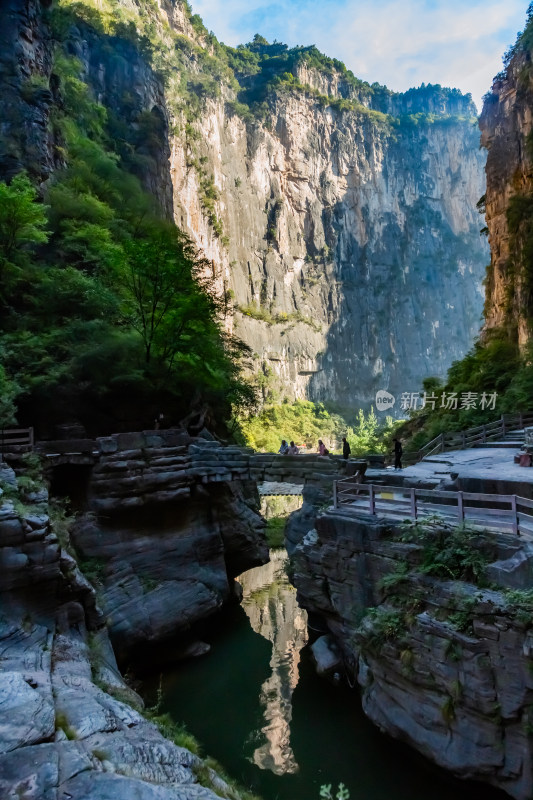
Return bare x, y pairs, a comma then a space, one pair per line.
257, 706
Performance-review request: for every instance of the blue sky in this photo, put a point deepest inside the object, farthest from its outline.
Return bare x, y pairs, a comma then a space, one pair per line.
400, 43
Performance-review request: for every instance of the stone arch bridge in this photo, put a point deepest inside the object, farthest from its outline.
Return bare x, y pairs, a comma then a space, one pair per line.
131, 470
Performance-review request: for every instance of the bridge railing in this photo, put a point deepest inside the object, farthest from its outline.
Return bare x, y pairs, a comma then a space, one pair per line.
506, 513
471, 437
18, 440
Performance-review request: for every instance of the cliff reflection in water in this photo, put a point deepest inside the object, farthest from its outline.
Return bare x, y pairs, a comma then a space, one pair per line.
270, 604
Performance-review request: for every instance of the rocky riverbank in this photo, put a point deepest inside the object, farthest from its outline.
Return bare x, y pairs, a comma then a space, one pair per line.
69, 724
441, 663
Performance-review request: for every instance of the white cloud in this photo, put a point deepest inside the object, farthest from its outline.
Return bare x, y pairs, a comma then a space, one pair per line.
400, 43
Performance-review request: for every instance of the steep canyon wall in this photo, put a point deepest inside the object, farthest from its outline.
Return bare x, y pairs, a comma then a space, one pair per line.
70, 726
507, 125
339, 219
344, 229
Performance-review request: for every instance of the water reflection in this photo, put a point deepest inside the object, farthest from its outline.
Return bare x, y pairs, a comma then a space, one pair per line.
269, 601
218, 699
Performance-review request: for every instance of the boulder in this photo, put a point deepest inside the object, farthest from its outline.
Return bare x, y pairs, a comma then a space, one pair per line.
326, 655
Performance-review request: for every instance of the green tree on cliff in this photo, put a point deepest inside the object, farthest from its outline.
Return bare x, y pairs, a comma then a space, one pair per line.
112, 319
165, 302
22, 226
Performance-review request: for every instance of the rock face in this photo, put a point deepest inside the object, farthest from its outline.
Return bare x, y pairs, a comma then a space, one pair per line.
442, 665
332, 229
120, 79
168, 529
351, 230
25, 66
506, 124
69, 725
172, 520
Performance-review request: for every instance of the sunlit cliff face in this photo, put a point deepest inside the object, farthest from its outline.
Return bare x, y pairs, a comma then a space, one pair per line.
354, 259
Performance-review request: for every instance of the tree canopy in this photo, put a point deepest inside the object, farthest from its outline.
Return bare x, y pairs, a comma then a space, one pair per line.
109, 314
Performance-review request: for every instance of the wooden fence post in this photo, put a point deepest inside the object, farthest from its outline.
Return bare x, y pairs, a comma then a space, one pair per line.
335, 494
521, 420
516, 530
503, 424
413, 503
460, 507
442, 443
484, 434
463, 436
30, 431
372, 499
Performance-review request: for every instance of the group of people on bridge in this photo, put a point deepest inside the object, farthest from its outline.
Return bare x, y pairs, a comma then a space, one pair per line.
292, 449
288, 449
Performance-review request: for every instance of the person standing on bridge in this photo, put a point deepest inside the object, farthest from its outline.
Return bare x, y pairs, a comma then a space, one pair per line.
293, 449
398, 452
284, 449
346, 449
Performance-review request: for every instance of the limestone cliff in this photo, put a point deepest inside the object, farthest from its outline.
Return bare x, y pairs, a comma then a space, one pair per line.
507, 125
343, 232
339, 218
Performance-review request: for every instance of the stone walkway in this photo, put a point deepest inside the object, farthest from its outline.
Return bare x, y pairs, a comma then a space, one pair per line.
488, 469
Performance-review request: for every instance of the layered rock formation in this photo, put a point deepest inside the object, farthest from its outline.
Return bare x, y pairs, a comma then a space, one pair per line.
166, 533
69, 725
442, 664
339, 218
172, 520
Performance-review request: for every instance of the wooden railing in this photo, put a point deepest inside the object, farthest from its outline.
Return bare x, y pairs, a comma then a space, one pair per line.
16, 440
506, 513
471, 437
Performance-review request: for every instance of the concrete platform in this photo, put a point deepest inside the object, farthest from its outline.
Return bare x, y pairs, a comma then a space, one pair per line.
488, 469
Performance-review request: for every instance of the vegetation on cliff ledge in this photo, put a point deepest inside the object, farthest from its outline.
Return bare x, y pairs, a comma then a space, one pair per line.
249, 76
494, 367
